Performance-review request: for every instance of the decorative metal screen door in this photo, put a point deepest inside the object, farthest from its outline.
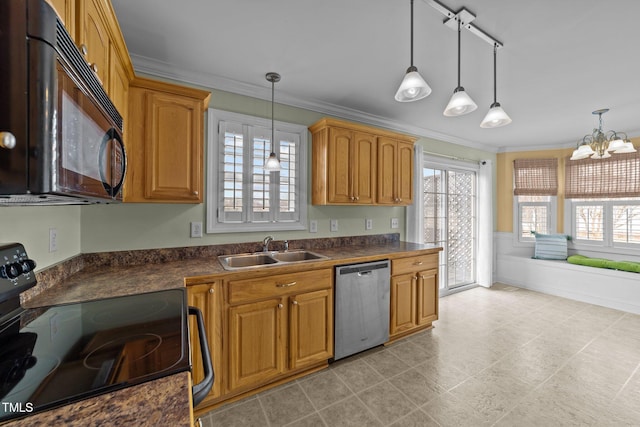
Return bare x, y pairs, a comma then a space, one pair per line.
450, 211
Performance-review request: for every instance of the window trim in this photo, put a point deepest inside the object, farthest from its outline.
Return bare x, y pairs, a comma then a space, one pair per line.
607, 245
552, 207
213, 195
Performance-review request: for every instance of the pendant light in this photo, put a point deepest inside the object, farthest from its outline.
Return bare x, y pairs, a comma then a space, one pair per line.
413, 86
272, 164
496, 116
460, 103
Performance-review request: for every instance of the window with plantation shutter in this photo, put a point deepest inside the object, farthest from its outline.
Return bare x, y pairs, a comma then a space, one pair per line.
241, 195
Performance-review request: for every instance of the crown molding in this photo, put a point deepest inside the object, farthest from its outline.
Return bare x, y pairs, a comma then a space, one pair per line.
153, 67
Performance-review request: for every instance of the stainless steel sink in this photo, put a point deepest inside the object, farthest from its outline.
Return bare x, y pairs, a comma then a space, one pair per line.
246, 260
296, 256
242, 261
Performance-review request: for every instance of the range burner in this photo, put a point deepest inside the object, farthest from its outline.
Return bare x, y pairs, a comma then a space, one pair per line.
54, 355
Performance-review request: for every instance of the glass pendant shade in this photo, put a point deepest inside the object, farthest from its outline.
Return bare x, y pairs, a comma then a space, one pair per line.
496, 117
627, 147
460, 103
615, 145
272, 164
582, 152
413, 87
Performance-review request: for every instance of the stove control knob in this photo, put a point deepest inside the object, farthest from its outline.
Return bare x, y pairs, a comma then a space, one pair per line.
10, 271
27, 265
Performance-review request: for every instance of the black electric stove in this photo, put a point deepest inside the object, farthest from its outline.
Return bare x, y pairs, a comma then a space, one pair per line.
55, 355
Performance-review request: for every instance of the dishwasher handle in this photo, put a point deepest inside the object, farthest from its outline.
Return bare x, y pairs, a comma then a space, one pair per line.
202, 389
365, 273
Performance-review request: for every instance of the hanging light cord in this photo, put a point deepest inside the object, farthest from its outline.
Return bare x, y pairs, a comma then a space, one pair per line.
411, 33
273, 132
495, 79
458, 51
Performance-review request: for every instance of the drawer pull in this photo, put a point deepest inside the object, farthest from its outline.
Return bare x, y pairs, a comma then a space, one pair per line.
418, 263
285, 285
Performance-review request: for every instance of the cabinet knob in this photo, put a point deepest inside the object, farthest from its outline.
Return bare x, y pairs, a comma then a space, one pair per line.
84, 50
280, 305
294, 302
357, 198
211, 290
94, 68
195, 193
352, 198
7, 140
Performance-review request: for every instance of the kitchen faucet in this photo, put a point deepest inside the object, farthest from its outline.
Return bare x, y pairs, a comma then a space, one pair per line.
265, 243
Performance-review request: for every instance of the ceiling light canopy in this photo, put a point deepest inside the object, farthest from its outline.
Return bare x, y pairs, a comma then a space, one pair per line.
600, 145
272, 164
413, 86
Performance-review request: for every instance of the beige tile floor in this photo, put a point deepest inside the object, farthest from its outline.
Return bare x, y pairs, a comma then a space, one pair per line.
497, 357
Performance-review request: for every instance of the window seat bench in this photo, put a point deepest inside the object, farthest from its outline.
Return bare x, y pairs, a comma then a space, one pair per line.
601, 286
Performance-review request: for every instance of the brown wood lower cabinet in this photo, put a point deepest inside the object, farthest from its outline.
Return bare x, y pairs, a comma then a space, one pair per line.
414, 294
263, 329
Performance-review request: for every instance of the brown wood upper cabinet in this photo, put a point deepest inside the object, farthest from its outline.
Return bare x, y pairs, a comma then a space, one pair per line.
99, 38
362, 165
165, 142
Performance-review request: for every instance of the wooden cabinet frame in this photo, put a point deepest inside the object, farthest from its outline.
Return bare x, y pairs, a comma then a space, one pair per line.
361, 165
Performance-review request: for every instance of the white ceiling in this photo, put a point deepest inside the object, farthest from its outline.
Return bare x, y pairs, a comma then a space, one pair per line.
562, 59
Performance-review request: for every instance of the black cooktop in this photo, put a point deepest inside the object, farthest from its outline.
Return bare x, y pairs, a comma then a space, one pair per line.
55, 355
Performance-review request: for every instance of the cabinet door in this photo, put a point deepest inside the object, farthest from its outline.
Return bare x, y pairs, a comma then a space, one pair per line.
118, 83
206, 297
395, 172
94, 38
310, 328
173, 150
404, 173
66, 10
403, 303
427, 294
256, 343
339, 162
387, 169
364, 168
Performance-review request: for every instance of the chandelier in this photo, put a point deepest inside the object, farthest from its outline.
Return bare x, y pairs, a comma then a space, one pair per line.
600, 145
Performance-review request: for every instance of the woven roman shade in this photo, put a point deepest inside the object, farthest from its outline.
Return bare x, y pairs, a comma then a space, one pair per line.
615, 177
535, 177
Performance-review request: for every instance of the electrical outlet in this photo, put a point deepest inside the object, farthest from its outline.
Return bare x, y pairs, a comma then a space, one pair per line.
313, 226
196, 229
53, 239
394, 223
368, 224
333, 225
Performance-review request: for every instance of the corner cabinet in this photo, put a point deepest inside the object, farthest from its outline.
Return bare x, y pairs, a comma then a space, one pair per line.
165, 143
414, 294
355, 164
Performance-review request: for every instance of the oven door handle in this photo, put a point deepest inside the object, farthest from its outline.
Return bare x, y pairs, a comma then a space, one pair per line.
202, 389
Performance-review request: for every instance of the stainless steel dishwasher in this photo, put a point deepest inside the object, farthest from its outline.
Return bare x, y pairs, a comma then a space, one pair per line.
361, 307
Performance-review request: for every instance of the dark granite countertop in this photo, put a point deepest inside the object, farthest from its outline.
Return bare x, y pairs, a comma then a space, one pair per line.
94, 276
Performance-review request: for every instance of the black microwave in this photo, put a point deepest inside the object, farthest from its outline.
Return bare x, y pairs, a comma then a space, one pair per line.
60, 134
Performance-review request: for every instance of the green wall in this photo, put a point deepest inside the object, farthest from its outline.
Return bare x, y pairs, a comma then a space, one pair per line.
97, 228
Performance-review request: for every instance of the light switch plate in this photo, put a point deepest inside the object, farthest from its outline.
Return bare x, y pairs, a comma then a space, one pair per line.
196, 229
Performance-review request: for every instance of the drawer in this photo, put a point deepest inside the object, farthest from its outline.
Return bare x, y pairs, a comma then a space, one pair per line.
278, 285
414, 263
